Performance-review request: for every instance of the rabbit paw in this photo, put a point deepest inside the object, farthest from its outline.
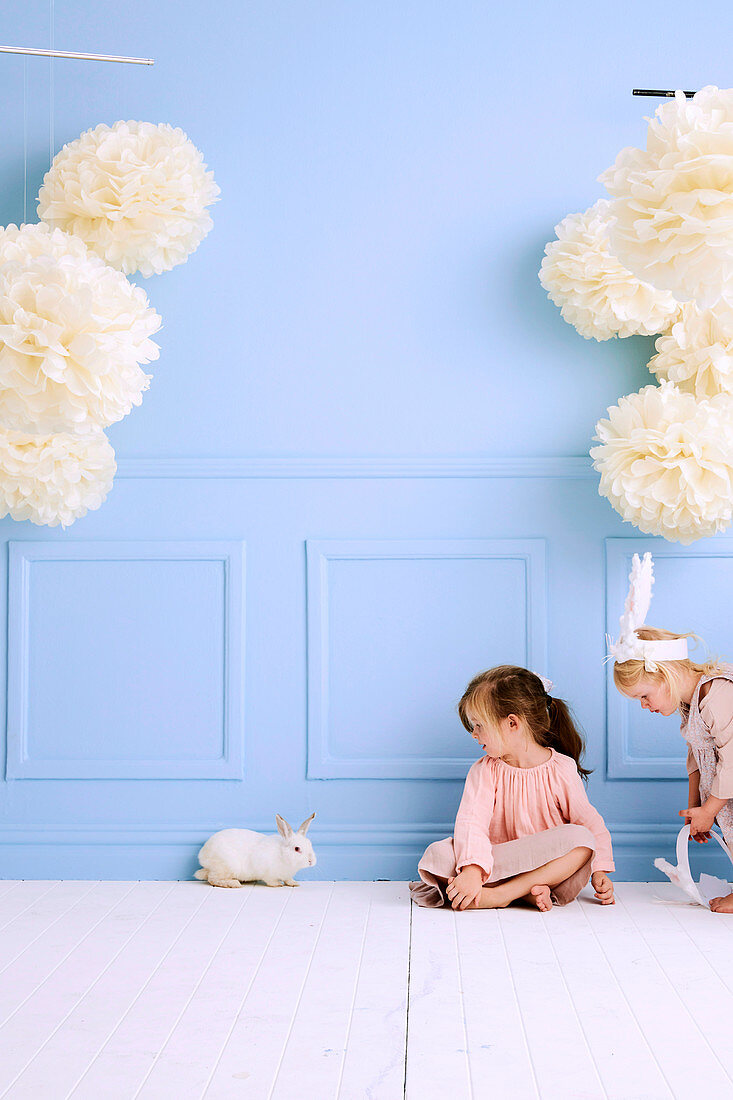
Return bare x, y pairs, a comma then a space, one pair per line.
290, 882
233, 883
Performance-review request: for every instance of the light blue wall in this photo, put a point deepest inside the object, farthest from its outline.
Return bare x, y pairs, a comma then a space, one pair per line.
357, 476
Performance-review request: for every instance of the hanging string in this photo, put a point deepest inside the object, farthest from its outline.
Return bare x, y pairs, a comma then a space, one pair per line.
51, 100
25, 140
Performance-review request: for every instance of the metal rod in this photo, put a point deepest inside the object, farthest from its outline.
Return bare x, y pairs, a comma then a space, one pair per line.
656, 92
78, 56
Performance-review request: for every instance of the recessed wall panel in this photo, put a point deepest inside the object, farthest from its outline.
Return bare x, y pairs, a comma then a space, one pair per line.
125, 660
395, 630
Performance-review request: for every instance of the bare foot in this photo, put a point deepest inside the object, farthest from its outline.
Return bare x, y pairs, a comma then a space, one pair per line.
491, 897
722, 905
540, 896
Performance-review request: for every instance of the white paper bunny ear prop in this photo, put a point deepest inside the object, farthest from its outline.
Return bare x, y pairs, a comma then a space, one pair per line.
709, 886
641, 579
629, 647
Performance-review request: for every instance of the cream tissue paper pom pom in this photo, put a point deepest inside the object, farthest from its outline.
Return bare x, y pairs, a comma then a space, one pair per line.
135, 192
673, 205
54, 479
697, 353
666, 462
73, 332
594, 291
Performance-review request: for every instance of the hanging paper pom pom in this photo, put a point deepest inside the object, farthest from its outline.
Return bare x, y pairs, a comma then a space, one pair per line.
697, 354
54, 479
673, 206
73, 332
136, 193
594, 291
666, 462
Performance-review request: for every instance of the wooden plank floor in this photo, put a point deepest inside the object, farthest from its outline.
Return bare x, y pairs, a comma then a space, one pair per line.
177, 991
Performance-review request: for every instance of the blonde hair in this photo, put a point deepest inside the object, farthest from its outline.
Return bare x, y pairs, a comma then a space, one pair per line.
627, 674
508, 689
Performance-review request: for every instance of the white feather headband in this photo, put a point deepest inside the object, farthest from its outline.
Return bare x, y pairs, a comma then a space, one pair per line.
629, 647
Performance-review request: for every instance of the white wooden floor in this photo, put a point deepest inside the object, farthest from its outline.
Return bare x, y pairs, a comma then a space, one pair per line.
177, 990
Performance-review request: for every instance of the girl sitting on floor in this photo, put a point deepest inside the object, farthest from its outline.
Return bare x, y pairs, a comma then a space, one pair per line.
525, 828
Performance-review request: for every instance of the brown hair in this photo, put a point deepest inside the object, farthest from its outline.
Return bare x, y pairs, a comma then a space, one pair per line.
508, 689
627, 674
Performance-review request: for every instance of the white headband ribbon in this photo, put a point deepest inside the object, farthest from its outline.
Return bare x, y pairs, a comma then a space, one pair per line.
629, 647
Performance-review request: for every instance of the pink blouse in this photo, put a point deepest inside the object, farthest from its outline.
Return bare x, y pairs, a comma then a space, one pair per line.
502, 803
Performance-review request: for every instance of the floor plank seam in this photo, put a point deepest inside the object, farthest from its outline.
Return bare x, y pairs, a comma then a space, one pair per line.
519, 1007
246, 994
65, 957
25, 908
696, 946
626, 999
72, 905
353, 999
407, 1001
180, 1015
137, 997
575, 1010
463, 1005
88, 990
300, 994
675, 991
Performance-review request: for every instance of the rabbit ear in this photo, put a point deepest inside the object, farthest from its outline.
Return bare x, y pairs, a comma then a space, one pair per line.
283, 828
304, 827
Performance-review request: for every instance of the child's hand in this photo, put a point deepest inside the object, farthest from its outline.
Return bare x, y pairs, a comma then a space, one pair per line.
701, 822
465, 887
603, 887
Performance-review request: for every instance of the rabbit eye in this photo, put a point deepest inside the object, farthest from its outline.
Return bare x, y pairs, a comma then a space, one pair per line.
297, 849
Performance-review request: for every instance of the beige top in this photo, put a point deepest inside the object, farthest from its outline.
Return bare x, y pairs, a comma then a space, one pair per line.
716, 711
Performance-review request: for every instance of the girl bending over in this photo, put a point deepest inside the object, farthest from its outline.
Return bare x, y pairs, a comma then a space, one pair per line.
525, 828
703, 694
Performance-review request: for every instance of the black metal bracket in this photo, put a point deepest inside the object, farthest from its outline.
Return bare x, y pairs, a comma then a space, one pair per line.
656, 92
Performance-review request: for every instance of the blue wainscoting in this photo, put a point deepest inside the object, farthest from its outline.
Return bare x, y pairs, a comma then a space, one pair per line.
362, 382
139, 722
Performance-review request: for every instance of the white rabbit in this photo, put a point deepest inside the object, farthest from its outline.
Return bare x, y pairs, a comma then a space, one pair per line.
234, 856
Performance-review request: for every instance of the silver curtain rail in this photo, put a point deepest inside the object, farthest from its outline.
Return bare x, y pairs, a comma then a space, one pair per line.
78, 56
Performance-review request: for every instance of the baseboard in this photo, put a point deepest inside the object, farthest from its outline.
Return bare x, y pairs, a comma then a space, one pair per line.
362, 851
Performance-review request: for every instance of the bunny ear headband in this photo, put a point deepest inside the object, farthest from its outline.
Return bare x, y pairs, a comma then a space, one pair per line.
628, 646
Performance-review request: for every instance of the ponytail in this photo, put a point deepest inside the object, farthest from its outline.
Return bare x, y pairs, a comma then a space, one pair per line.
563, 735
